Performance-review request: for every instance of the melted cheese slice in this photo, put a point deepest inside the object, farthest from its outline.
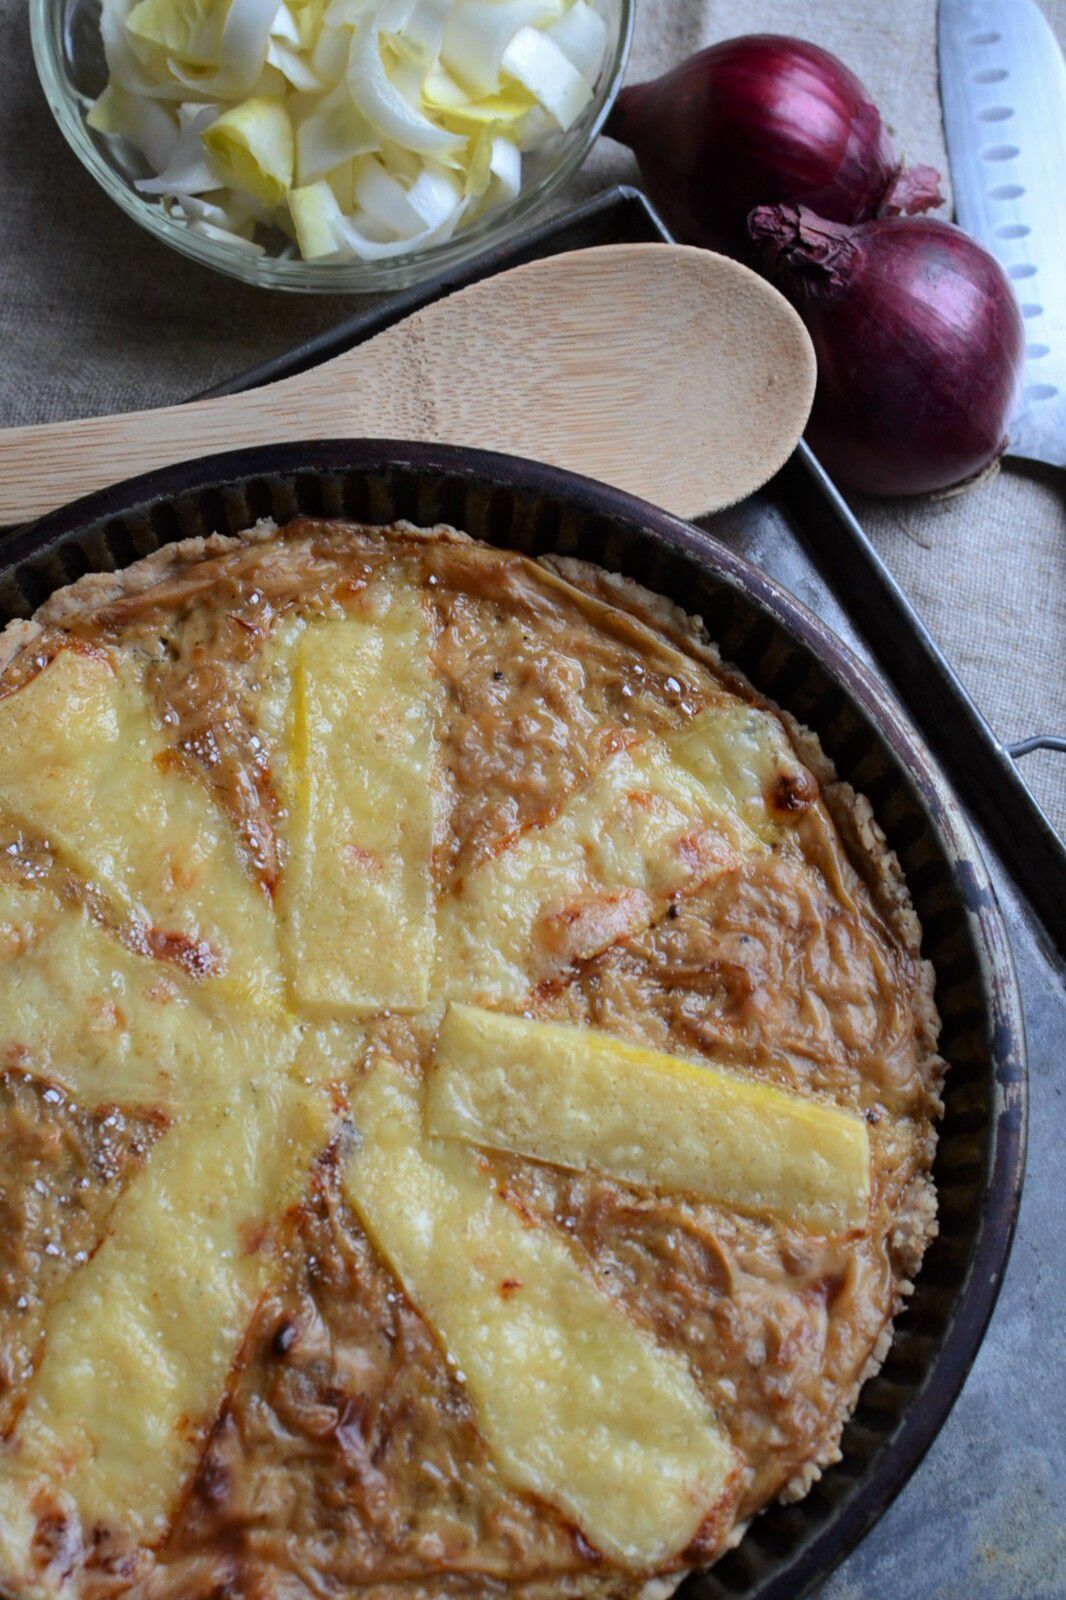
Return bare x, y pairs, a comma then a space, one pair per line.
85, 768
737, 753
583, 1099
576, 1404
79, 1008
653, 823
330, 1053
139, 1349
356, 900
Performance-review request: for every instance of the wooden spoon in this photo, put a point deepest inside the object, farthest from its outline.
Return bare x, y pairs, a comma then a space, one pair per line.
673, 373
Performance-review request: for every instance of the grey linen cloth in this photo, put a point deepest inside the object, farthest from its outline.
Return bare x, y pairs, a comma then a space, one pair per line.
95, 316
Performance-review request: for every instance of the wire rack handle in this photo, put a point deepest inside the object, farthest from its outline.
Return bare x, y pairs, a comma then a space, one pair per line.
1037, 741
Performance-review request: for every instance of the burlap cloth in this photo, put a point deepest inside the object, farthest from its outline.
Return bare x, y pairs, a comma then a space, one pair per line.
95, 316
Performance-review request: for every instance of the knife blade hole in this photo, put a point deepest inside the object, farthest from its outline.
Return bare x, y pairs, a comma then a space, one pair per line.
1022, 269
1013, 230
1006, 191
1039, 391
995, 114
1033, 352
1031, 309
984, 38
999, 152
991, 75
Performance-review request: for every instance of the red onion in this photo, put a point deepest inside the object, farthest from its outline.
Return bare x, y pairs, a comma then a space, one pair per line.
919, 344
758, 120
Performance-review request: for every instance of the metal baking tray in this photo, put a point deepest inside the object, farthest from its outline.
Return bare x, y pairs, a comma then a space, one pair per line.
799, 533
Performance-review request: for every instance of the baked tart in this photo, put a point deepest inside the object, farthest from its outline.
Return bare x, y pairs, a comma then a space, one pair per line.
468, 1081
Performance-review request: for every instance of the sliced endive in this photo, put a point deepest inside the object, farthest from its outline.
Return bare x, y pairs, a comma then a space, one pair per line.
332, 134
191, 29
253, 148
148, 124
317, 219
581, 35
188, 169
378, 98
479, 32
540, 66
415, 113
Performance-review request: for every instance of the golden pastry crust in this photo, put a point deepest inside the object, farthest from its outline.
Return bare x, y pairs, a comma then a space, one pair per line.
344, 1453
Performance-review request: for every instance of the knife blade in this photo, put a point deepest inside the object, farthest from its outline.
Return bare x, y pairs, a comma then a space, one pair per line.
1003, 94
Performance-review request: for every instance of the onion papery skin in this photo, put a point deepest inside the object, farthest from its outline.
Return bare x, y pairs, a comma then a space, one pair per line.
919, 343
760, 120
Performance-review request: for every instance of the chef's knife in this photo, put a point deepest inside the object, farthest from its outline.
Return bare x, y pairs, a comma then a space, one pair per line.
1003, 91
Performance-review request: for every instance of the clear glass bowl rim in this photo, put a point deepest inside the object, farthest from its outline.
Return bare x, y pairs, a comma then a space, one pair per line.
309, 277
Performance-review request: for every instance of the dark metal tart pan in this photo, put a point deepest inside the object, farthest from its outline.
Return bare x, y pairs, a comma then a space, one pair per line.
792, 657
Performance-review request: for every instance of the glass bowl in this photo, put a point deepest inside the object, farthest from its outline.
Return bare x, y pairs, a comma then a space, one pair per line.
71, 66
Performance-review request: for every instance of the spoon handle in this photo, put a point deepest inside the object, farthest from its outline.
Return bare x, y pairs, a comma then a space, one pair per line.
45, 466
